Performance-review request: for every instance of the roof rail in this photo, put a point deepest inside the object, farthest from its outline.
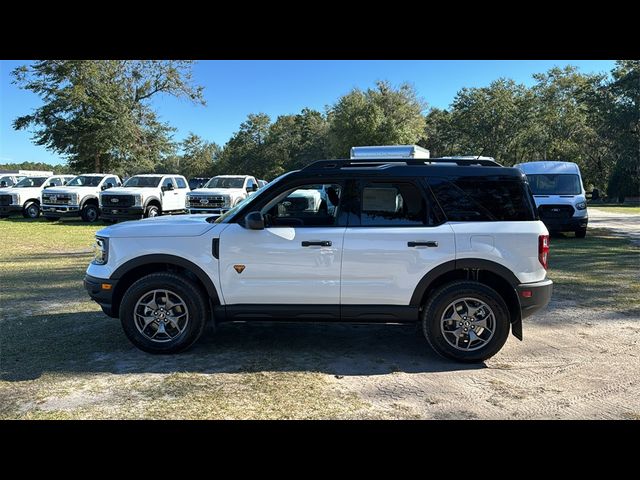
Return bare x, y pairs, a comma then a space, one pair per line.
377, 163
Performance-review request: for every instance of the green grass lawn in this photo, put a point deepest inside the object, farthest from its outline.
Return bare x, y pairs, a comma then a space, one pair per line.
631, 209
61, 357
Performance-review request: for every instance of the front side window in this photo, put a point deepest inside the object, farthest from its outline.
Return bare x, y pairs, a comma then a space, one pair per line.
144, 182
393, 204
554, 184
311, 205
167, 181
85, 181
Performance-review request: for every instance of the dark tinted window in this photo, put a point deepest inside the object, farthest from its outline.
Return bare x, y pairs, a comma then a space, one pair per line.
167, 181
392, 204
480, 199
307, 206
181, 183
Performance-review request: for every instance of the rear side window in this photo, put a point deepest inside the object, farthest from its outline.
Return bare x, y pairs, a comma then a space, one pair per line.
482, 199
393, 204
181, 183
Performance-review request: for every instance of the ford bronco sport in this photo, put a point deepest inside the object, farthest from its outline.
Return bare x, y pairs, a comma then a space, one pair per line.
453, 245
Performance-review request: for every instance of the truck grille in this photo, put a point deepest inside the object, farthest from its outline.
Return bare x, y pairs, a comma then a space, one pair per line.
555, 211
119, 201
56, 199
5, 200
212, 201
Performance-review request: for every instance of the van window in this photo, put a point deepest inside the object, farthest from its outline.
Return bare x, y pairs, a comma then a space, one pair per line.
554, 184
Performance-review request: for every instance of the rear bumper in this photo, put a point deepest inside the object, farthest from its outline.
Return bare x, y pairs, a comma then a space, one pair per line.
100, 295
534, 296
128, 213
10, 209
565, 224
60, 210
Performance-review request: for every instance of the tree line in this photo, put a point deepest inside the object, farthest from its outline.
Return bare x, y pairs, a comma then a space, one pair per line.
97, 114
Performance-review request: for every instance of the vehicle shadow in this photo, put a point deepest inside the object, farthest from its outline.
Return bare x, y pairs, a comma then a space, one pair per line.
90, 342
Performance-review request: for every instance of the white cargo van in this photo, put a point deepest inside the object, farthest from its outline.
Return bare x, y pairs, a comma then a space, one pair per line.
559, 194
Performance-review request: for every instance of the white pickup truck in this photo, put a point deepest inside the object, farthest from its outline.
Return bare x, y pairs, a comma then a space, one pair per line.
78, 198
221, 193
145, 196
24, 196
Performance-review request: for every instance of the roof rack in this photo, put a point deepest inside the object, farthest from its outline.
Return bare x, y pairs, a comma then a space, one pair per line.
377, 163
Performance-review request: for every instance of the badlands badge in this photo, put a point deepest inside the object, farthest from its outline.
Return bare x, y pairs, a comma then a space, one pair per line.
239, 268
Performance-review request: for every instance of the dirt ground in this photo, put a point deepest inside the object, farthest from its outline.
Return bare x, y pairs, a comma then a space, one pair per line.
63, 358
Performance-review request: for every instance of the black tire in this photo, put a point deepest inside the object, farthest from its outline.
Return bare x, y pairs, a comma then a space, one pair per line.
435, 307
151, 211
53, 219
31, 210
191, 294
581, 233
90, 213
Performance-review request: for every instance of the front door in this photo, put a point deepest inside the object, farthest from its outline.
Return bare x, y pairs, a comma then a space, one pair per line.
294, 261
170, 198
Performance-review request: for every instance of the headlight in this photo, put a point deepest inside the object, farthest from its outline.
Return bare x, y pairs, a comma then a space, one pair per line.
74, 199
227, 201
15, 199
137, 200
187, 198
581, 206
101, 251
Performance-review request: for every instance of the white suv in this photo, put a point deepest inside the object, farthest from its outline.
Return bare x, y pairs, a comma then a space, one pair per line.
221, 193
453, 245
146, 196
78, 198
24, 197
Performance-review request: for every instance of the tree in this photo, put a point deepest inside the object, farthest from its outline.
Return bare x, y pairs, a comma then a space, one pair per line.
96, 113
198, 158
379, 116
439, 135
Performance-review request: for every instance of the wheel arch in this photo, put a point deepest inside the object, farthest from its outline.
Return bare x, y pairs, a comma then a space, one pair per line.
152, 200
89, 199
127, 273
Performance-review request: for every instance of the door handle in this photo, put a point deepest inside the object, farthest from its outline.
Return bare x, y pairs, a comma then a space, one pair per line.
323, 243
422, 244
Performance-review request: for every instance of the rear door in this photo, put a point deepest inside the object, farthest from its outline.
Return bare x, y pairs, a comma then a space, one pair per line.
396, 237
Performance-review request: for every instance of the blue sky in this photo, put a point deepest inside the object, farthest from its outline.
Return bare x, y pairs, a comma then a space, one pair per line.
234, 89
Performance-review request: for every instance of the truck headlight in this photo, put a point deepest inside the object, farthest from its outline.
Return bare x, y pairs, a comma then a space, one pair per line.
101, 251
74, 199
137, 200
15, 199
227, 201
581, 205
187, 199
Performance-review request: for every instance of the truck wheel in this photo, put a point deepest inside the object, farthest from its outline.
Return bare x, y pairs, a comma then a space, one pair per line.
581, 233
466, 321
152, 211
31, 210
163, 313
90, 213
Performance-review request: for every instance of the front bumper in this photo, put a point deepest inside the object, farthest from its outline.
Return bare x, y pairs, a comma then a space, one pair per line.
10, 209
565, 224
216, 211
534, 296
127, 213
102, 296
60, 210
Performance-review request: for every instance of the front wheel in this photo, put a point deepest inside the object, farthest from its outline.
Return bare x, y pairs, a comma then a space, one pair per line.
152, 211
163, 313
466, 321
90, 213
31, 210
581, 233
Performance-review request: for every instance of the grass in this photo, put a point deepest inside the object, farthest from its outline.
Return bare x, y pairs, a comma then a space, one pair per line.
614, 208
61, 357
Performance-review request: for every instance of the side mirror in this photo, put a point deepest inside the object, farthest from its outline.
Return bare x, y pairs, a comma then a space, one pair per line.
3, 184
64, 182
254, 221
52, 184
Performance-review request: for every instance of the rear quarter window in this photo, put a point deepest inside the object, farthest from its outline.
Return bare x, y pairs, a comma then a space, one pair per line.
483, 199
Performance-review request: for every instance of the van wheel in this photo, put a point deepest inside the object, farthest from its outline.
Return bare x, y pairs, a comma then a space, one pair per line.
152, 211
31, 210
466, 321
163, 313
90, 213
581, 233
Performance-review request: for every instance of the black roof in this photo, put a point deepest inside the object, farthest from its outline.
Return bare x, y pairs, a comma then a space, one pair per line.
411, 168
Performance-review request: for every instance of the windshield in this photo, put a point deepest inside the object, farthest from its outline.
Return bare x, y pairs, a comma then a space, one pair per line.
225, 182
555, 184
85, 181
30, 182
149, 182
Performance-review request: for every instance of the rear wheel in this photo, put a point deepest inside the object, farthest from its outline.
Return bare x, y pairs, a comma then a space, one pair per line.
466, 321
90, 213
31, 210
581, 233
163, 313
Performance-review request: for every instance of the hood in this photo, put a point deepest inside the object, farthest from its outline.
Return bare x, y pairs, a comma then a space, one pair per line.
216, 191
130, 191
169, 226
23, 191
68, 190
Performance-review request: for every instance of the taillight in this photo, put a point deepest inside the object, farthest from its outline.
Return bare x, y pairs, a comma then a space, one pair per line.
543, 250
